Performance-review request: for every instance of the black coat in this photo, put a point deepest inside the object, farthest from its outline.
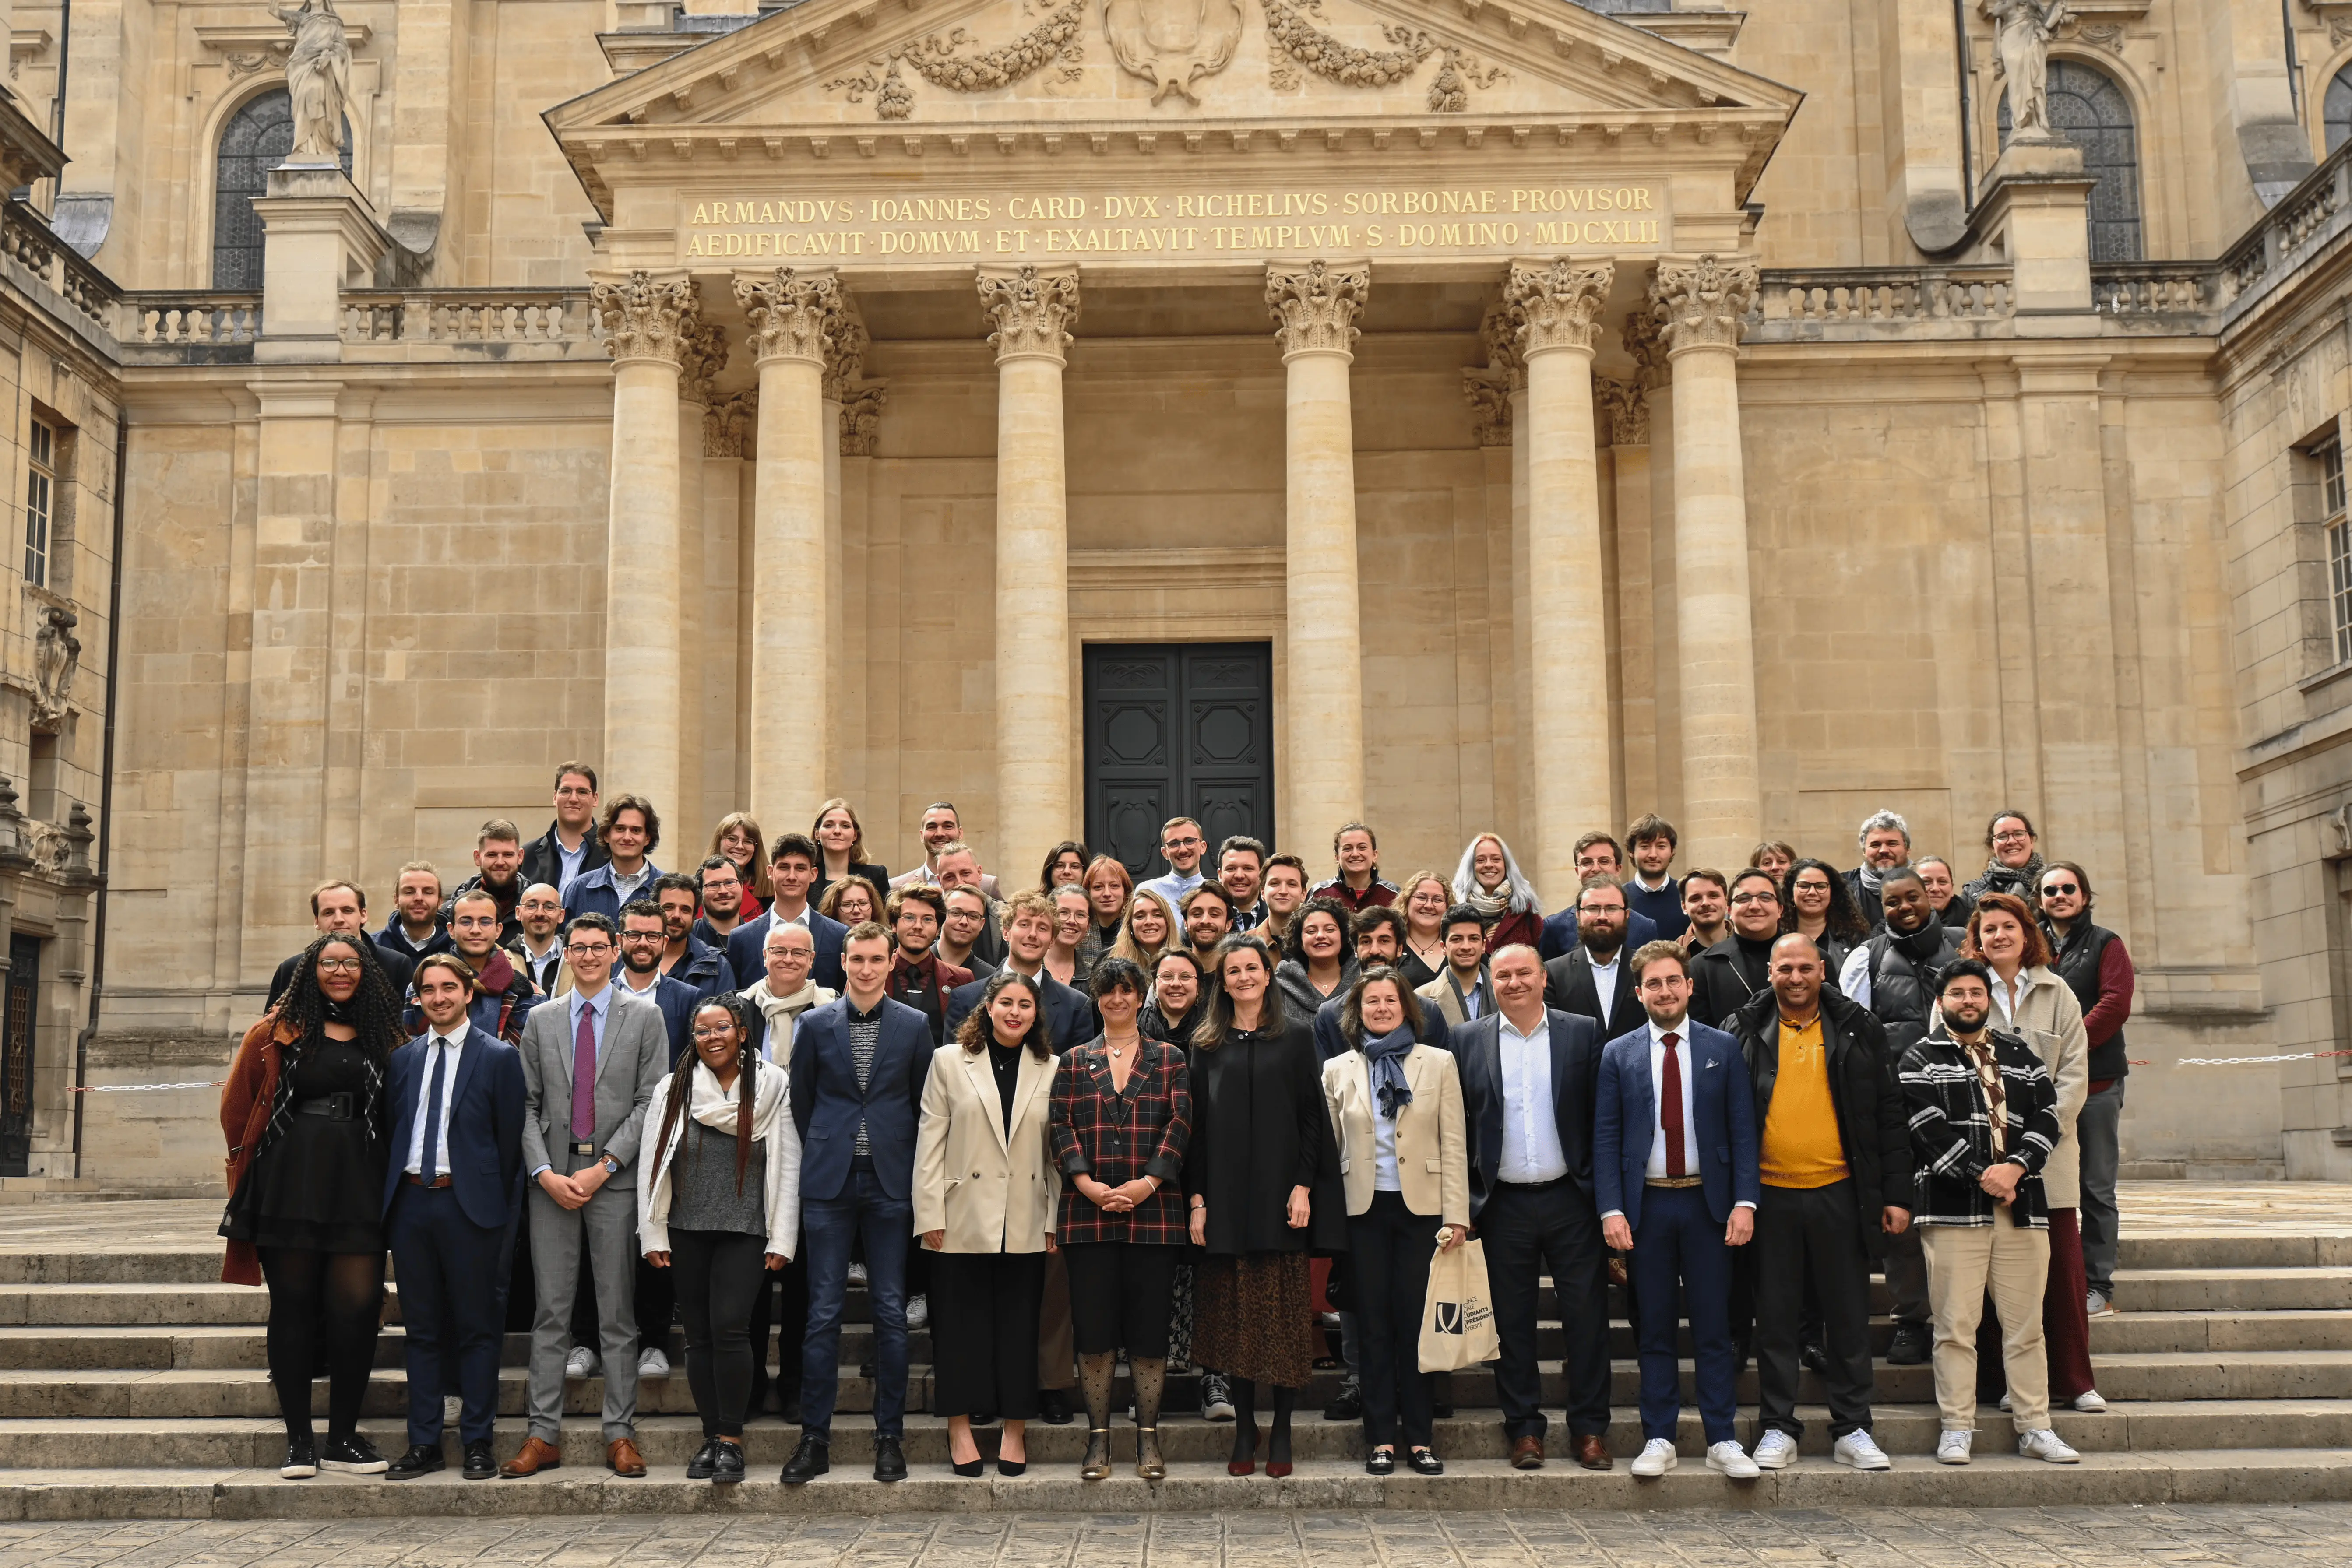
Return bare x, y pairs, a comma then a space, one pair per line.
1259, 1128
542, 858
1724, 978
1570, 988
1873, 1121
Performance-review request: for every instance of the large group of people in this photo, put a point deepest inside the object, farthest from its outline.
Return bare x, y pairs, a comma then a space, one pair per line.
1113, 1127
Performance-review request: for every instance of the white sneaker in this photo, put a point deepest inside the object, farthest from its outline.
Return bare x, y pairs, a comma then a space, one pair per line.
653, 1363
2004, 1402
1657, 1457
2096, 1305
1953, 1446
2089, 1403
583, 1362
1856, 1450
2044, 1443
1732, 1460
1775, 1450
918, 1312
858, 1273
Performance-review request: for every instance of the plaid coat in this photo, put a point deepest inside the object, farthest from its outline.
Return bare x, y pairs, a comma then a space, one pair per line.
1951, 1129
1117, 1138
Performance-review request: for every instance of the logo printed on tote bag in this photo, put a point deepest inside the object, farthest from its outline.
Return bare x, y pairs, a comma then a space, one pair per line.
1449, 1317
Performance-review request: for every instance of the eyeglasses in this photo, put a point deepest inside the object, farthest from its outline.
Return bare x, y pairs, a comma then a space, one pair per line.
1812, 887
1755, 898
1185, 844
2059, 890
629, 938
2014, 836
724, 1031
587, 949
339, 965
475, 922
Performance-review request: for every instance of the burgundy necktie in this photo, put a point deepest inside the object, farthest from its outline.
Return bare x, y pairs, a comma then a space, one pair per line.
583, 1076
1670, 1108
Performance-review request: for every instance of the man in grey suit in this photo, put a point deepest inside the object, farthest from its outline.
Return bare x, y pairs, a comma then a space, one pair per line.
580, 1147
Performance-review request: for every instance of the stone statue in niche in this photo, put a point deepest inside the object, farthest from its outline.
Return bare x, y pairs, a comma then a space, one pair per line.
1171, 44
318, 80
56, 654
2026, 28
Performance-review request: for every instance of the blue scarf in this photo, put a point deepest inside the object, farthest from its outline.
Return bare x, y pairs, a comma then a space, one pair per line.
1387, 1054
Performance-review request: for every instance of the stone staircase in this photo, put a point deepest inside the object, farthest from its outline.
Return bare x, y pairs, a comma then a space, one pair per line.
131, 1386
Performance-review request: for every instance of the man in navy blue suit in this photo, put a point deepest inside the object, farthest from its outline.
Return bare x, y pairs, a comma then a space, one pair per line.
1674, 1170
857, 1072
1596, 855
1529, 1074
792, 872
453, 1190
1028, 932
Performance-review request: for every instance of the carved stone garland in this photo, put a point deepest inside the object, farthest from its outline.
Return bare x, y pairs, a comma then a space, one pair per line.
648, 319
1299, 43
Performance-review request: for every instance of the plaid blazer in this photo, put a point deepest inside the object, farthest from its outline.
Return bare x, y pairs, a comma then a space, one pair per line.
1117, 1138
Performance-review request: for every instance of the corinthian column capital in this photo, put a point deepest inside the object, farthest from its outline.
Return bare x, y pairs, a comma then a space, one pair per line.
1030, 311
844, 359
1625, 405
1556, 304
701, 355
793, 314
1318, 305
1499, 336
1701, 304
648, 318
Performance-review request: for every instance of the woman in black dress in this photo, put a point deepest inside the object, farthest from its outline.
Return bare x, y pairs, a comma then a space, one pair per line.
305, 1116
1261, 1175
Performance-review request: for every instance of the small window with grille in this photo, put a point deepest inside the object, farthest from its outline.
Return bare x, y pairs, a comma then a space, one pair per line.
40, 500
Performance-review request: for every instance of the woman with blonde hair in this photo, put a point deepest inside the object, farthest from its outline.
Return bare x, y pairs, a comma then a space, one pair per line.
1110, 886
852, 900
1424, 896
1149, 930
841, 847
1490, 881
738, 837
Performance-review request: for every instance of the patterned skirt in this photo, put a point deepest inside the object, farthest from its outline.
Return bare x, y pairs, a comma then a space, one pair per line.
1253, 1317
1180, 1315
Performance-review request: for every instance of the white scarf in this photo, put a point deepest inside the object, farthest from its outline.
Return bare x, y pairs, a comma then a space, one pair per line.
717, 1108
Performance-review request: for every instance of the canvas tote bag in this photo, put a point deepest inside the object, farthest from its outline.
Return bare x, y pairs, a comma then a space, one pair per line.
1457, 1322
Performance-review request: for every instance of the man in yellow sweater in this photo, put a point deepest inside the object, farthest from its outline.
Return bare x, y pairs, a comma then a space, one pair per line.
1836, 1168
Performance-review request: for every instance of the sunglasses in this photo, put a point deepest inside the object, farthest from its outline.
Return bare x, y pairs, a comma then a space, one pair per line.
2061, 889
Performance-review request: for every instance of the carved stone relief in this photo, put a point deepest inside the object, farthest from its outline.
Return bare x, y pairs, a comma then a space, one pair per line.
1171, 44
56, 654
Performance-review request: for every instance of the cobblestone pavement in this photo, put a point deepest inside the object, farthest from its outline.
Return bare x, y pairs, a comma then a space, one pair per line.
2310, 1536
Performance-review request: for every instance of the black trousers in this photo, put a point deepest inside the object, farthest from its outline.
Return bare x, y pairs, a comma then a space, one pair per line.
1809, 1242
1388, 1248
1121, 1294
1530, 1230
984, 1333
717, 1272
779, 1307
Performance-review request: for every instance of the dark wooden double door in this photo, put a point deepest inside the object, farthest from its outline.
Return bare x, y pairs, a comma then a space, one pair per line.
1177, 729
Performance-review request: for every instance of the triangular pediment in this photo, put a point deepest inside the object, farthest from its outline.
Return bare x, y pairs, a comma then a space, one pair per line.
846, 76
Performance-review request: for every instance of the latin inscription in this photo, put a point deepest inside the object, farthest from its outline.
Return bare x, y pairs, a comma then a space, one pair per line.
1047, 225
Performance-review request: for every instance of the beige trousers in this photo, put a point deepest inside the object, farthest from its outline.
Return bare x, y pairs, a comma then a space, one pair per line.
2012, 1261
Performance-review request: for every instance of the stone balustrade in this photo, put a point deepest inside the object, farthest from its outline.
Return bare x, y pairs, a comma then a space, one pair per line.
555, 322
39, 258
2180, 293
2307, 221
1809, 304
157, 325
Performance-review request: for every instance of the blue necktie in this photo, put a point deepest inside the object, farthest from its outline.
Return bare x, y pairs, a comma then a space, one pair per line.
431, 1162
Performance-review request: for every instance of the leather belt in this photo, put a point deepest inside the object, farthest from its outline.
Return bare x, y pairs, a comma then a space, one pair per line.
341, 1106
413, 1179
1672, 1181
588, 1148
1531, 1185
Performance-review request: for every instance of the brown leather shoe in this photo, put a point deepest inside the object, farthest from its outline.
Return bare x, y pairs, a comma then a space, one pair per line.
537, 1455
1527, 1454
1592, 1452
623, 1456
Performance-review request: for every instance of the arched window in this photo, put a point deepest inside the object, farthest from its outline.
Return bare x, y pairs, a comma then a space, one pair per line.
255, 140
2090, 111
2335, 108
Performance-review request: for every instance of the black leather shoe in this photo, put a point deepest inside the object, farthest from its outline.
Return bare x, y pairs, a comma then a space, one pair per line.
727, 1464
1815, 1358
706, 1459
1910, 1347
1347, 1405
813, 1458
1425, 1463
481, 1465
422, 1459
889, 1460
1380, 1462
1053, 1407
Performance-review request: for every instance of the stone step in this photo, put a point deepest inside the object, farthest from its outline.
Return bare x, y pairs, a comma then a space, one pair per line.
2156, 1426
2124, 1333
2232, 1290
1996, 1480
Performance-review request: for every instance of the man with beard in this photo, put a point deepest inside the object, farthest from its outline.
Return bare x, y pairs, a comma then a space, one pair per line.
1214, 921
1240, 867
1707, 903
1592, 980
722, 902
644, 934
1984, 1120
1893, 975
1885, 840
498, 871
416, 928
963, 921
539, 949
630, 831
1724, 976
696, 963
919, 977
503, 995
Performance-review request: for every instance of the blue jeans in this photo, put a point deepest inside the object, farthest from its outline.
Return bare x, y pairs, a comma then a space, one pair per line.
828, 1227
1680, 1266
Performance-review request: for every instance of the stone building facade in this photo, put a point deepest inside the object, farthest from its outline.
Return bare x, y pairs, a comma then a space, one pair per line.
1474, 415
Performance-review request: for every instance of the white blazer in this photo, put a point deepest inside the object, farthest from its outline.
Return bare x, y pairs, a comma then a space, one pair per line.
990, 1192
773, 1126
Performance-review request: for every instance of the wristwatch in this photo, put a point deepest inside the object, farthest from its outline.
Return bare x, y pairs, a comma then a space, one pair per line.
612, 1167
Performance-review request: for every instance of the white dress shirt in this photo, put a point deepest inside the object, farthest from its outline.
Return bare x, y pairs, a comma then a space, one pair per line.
1853, 976
1657, 1169
1531, 1152
1384, 1164
1604, 981
454, 1044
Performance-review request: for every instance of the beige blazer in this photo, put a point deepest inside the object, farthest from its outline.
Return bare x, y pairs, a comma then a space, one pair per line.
990, 1192
1433, 1150
1439, 994
2051, 1019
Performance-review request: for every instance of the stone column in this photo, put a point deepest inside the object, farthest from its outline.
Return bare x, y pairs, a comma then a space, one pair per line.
1030, 311
844, 367
793, 316
726, 441
1623, 412
1557, 307
1698, 305
704, 356
1323, 785
861, 418
651, 323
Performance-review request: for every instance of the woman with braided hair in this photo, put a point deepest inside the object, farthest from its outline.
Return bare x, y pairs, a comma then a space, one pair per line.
721, 1205
304, 1115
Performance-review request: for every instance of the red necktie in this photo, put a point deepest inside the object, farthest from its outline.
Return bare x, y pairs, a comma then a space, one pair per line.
584, 1077
1670, 1107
